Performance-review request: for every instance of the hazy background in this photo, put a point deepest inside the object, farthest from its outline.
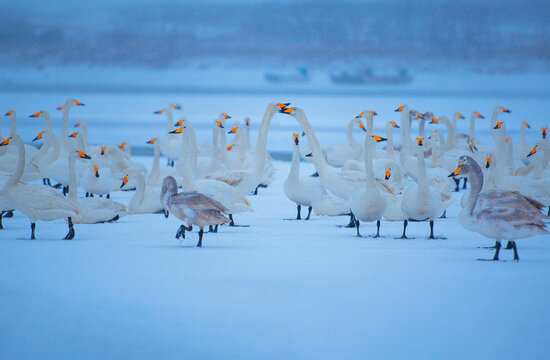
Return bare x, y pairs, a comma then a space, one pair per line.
481, 36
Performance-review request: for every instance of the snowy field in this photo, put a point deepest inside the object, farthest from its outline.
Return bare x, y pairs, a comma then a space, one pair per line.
277, 289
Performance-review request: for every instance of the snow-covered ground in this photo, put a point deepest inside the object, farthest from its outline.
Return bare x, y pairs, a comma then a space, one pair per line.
275, 290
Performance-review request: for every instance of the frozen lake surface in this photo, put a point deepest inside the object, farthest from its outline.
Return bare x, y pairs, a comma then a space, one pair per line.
275, 290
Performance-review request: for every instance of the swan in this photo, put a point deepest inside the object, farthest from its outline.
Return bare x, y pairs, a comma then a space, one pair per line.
170, 144
248, 180
66, 145
497, 110
91, 210
338, 154
303, 191
390, 150
220, 191
37, 202
420, 200
191, 207
46, 116
524, 147
157, 174
100, 180
30, 151
459, 137
146, 199
497, 214
368, 204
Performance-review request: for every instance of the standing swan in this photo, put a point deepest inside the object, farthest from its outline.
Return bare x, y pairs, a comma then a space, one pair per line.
497, 214
37, 202
191, 207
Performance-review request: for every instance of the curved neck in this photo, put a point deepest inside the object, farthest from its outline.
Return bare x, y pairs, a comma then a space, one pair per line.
46, 116
13, 130
261, 144
494, 121
349, 134
422, 175
476, 183
435, 149
155, 169
453, 123
473, 126
138, 197
73, 196
15, 178
318, 158
523, 139
405, 128
85, 134
169, 119
421, 126
509, 153
294, 173
389, 136
449, 142
369, 172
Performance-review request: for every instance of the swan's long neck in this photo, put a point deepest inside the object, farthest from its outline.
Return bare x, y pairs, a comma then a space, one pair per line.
223, 146
247, 137
138, 197
54, 154
405, 128
169, 119
65, 143
451, 135
509, 153
389, 136
349, 134
524, 144
15, 178
215, 135
421, 127
85, 134
318, 158
73, 196
294, 173
259, 156
422, 180
494, 122
500, 148
13, 130
369, 172
476, 184
453, 122
46, 116
435, 149
155, 169
472, 131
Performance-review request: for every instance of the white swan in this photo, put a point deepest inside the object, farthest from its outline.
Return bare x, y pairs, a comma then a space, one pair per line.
146, 199
170, 144
420, 201
192, 207
498, 215
303, 191
368, 204
37, 202
157, 174
338, 154
248, 180
30, 151
66, 145
91, 210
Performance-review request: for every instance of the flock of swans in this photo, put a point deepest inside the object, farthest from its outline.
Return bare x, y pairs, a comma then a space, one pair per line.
206, 184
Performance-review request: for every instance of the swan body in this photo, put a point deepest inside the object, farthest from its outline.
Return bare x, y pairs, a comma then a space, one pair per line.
146, 199
338, 154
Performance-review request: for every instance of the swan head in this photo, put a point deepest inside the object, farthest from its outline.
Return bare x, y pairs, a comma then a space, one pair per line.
178, 130
498, 125
224, 116
544, 132
478, 115
296, 138
533, 151
124, 181
181, 121
366, 113
70, 103
10, 113
393, 124
39, 136
6, 142
230, 147
420, 141
401, 108
83, 155
467, 167
247, 121
460, 116
169, 188
96, 171
387, 174
503, 109
526, 124
73, 135
80, 123
488, 161
234, 129
152, 141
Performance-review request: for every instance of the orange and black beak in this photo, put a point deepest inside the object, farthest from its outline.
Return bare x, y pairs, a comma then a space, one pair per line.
394, 124
35, 115
362, 126
533, 151
544, 133
177, 131
122, 146
360, 115
233, 130
83, 155
506, 110
103, 150
179, 123
455, 173
9, 113
399, 109
166, 213
460, 116
124, 181
434, 120
282, 106
480, 116
96, 171
158, 111
296, 139
387, 174
39, 136
498, 125
59, 107
78, 103
220, 124
176, 106
73, 135
526, 124
6, 142
287, 110
78, 124
230, 147
420, 141
378, 138
247, 122
226, 116
309, 155
473, 146
152, 141
488, 162
373, 113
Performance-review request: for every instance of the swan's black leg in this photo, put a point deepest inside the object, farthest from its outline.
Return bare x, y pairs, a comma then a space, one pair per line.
33, 226
444, 216
309, 212
49, 182
489, 247
108, 196
216, 228
100, 195
70, 234
351, 223
497, 246
315, 174
377, 229
199, 244
457, 181
516, 257
181, 231
357, 227
44, 181
65, 190
87, 194
210, 228
91, 195
404, 236
465, 182
232, 223
509, 246
432, 229
1, 214
298, 217
255, 192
